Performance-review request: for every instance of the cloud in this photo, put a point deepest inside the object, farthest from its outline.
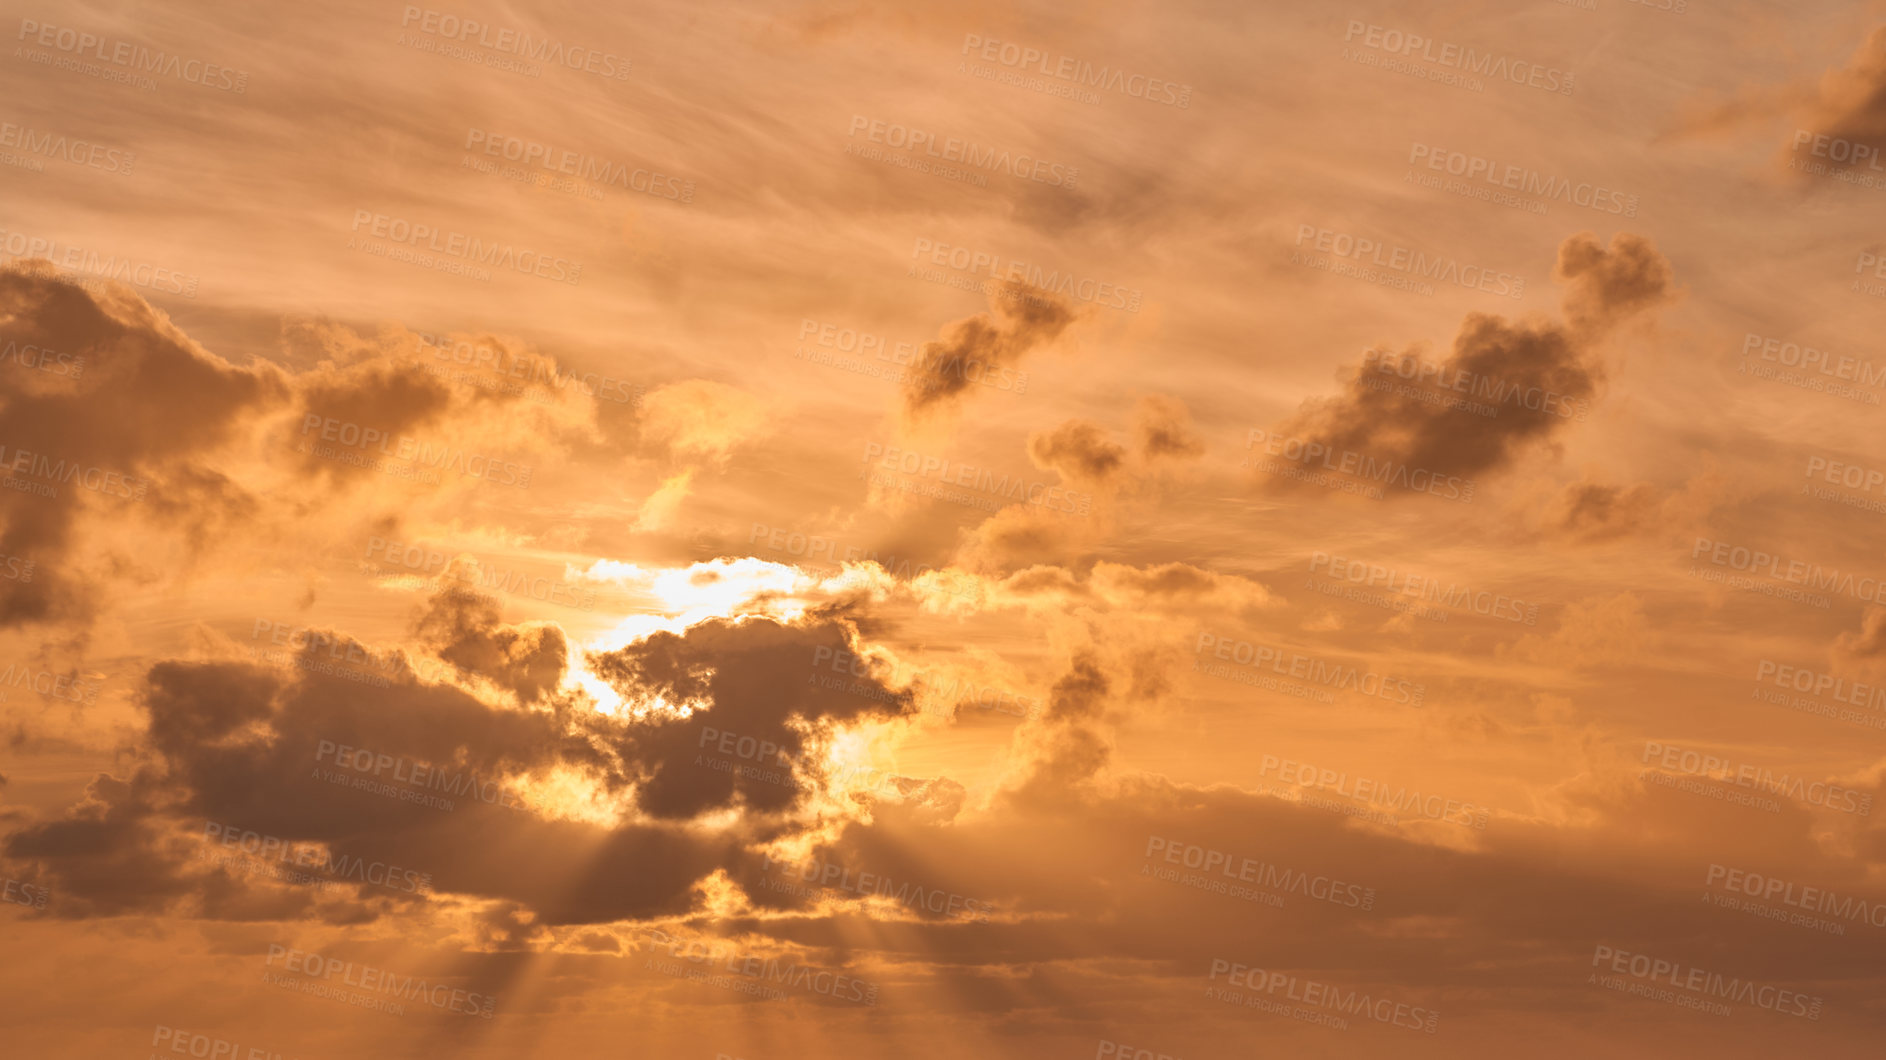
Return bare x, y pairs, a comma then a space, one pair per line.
1603, 632
699, 422
461, 627
1865, 646
1525, 380
1163, 428
1084, 453
778, 689
138, 412
986, 346
1079, 450
1851, 101
1844, 103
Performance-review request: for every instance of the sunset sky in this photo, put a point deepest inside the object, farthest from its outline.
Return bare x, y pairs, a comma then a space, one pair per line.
955, 531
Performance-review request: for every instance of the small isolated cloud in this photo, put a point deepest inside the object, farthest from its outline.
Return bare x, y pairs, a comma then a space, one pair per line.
1507, 385
1020, 319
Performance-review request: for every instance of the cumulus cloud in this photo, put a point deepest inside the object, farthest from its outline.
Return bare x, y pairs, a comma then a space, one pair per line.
1163, 427
135, 434
1505, 386
1085, 453
254, 747
137, 411
1079, 450
983, 349
461, 627
699, 421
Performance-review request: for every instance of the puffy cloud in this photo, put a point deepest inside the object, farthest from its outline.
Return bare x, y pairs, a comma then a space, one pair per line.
1084, 453
701, 422
461, 627
1079, 450
136, 412
987, 345
1525, 380
777, 690
1163, 428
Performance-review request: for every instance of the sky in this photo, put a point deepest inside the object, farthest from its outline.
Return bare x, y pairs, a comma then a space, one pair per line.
772, 530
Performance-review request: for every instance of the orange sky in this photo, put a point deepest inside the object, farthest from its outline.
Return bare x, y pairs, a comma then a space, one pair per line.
951, 531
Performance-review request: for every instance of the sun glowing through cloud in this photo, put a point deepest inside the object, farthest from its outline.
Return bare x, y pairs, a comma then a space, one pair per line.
1137, 531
